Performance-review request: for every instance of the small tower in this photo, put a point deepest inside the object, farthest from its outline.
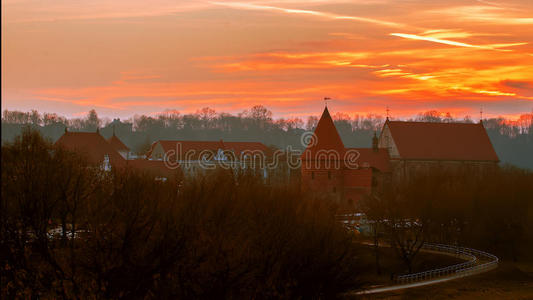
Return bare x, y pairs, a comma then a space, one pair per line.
375, 142
323, 159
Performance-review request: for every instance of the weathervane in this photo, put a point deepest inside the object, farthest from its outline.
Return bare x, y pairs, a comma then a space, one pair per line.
326, 100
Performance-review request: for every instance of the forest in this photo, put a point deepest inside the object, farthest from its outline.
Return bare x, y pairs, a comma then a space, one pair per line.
71, 230
512, 139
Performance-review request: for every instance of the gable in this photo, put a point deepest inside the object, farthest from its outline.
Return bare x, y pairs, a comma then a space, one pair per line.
386, 141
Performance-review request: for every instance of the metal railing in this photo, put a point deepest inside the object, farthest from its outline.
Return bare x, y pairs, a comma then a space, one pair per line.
478, 261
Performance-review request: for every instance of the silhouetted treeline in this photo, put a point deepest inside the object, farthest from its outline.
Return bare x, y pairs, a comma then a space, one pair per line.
70, 230
512, 140
490, 210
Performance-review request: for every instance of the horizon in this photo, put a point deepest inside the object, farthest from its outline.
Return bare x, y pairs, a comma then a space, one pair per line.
124, 58
336, 115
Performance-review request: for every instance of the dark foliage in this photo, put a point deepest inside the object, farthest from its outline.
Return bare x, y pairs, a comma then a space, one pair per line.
70, 230
490, 210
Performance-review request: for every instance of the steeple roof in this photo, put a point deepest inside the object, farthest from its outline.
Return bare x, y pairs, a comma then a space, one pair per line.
325, 137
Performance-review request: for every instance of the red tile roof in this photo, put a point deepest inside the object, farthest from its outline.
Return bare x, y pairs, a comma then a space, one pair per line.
379, 159
442, 141
91, 144
117, 144
325, 137
196, 147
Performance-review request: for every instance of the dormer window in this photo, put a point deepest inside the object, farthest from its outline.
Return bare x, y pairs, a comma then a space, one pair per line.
106, 165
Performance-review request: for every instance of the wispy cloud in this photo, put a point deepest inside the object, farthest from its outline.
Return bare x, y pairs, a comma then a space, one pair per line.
490, 14
251, 6
458, 44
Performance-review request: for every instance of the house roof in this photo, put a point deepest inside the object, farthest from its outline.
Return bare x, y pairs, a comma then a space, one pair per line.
92, 145
379, 159
325, 137
117, 144
196, 147
442, 141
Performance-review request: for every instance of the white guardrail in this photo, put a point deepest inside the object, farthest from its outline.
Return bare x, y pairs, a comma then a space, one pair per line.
478, 261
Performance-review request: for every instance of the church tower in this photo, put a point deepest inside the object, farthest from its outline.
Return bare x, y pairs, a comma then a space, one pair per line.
323, 159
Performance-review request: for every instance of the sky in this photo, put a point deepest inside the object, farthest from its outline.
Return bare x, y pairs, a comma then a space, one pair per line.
123, 58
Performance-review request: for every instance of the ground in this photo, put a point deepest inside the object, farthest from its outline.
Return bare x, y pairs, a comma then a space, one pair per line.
511, 280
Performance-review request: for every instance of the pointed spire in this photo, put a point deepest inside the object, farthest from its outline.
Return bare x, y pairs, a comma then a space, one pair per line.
326, 135
375, 142
388, 110
113, 129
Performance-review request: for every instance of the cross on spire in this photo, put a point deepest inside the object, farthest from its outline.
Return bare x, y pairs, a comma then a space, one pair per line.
326, 100
387, 110
481, 115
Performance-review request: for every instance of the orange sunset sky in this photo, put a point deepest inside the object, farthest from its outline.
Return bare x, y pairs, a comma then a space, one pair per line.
142, 57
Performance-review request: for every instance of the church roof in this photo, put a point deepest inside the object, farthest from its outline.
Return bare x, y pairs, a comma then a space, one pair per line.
325, 137
442, 141
117, 144
92, 145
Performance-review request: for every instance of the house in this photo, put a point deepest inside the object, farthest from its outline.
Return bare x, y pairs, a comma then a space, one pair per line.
343, 174
193, 157
111, 153
94, 147
416, 147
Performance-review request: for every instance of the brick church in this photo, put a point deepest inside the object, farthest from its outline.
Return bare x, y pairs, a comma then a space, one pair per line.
402, 150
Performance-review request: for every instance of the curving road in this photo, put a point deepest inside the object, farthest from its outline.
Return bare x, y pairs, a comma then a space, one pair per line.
477, 262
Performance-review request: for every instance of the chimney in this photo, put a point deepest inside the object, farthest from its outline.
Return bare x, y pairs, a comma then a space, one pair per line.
375, 143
